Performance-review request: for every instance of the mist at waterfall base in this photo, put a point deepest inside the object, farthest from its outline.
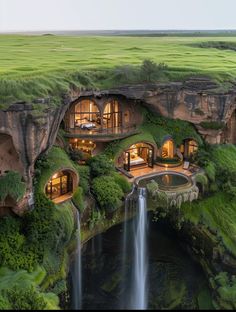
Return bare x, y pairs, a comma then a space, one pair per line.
173, 280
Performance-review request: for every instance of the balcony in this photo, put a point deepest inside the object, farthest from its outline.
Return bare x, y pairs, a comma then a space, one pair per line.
106, 134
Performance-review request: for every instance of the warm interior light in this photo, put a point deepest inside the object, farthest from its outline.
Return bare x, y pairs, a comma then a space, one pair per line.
54, 176
83, 141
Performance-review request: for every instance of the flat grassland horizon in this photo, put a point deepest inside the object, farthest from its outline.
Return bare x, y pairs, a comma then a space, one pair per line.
42, 59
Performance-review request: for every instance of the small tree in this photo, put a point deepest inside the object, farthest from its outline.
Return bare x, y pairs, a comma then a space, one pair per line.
148, 70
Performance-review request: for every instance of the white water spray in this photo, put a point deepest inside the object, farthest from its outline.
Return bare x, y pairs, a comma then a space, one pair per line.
139, 284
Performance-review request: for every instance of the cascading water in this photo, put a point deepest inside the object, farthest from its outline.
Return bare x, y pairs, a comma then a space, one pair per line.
139, 287
77, 272
136, 298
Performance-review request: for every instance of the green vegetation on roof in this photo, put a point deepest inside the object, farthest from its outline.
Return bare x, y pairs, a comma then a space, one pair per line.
56, 160
41, 66
155, 130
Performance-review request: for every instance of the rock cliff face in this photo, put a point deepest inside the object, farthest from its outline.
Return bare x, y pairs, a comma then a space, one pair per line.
196, 101
27, 130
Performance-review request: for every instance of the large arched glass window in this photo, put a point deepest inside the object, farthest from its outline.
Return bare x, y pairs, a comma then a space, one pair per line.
86, 116
112, 116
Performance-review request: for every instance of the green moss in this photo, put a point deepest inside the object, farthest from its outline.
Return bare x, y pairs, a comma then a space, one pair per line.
160, 128
84, 177
215, 125
78, 199
55, 160
11, 185
155, 130
218, 212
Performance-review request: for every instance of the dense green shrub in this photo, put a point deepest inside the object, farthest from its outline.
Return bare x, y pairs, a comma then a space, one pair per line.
25, 298
76, 155
151, 71
174, 160
4, 303
122, 182
108, 193
210, 171
14, 252
11, 185
78, 198
84, 177
202, 180
100, 165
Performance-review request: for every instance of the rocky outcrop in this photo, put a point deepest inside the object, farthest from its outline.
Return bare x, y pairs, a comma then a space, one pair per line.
196, 100
33, 129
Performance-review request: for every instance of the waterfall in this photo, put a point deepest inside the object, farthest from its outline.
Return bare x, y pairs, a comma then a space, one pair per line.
77, 272
139, 287
134, 248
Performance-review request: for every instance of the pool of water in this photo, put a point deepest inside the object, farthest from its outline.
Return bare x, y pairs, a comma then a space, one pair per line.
168, 181
174, 280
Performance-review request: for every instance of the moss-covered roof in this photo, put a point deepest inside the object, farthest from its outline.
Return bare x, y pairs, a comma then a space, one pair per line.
57, 160
155, 130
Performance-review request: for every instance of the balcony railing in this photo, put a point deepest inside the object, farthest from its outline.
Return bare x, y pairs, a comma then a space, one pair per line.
105, 132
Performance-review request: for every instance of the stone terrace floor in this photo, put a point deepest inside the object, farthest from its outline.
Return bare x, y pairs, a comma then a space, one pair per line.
139, 172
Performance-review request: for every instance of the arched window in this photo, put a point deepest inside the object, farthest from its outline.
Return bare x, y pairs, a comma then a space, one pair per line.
168, 149
86, 116
60, 184
112, 115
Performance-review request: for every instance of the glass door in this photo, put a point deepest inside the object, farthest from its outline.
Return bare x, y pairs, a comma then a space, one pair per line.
150, 158
127, 161
64, 184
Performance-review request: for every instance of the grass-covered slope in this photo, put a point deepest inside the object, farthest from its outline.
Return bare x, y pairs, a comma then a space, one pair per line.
38, 66
218, 210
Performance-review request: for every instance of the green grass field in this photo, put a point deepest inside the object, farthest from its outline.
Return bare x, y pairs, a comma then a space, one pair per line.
39, 65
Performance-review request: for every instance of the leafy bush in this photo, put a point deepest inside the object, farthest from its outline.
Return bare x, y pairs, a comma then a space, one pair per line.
151, 71
4, 303
122, 182
75, 154
210, 171
78, 198
174, 160
100, 165
84, 176
25, 299
14, 252
202, 180
108, 193
11, 185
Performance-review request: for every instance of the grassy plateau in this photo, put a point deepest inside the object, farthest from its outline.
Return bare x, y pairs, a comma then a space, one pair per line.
48, 65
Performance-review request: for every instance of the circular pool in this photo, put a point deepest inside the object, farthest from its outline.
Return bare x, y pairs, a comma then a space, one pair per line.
167, 181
